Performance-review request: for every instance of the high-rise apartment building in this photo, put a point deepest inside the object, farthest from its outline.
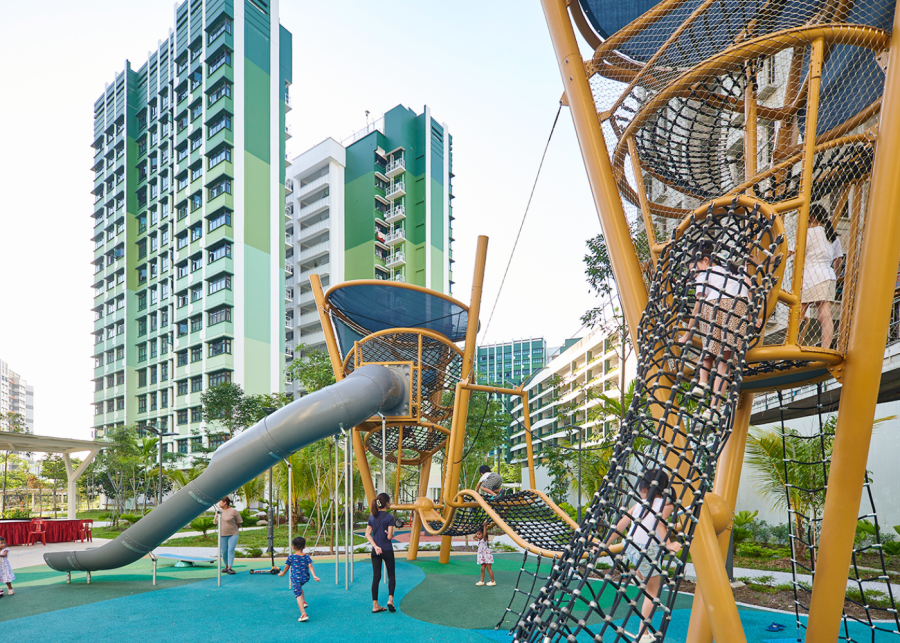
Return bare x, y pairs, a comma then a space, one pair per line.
377, 206
16, 395
188, 219
510, 363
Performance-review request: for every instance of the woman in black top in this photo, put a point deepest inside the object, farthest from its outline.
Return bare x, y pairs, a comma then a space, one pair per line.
379, 533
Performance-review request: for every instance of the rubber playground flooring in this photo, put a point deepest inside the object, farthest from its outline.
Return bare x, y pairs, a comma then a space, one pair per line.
436, 603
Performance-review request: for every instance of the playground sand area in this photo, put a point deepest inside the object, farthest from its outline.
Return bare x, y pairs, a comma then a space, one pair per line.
435, 603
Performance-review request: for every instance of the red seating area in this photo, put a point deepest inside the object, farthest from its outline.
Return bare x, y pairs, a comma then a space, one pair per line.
24, 532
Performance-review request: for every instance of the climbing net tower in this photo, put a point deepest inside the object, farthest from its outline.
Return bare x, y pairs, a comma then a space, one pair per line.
788, 107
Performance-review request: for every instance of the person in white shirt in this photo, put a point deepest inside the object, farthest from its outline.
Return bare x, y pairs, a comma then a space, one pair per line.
823, 255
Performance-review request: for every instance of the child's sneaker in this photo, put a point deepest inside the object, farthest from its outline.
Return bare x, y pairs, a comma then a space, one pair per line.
480, 583
491, 584
11, 592
303, 618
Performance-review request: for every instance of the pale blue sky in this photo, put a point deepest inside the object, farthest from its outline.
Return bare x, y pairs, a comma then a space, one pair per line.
486, 69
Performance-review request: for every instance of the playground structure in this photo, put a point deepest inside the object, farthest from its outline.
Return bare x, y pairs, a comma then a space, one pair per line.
686, 108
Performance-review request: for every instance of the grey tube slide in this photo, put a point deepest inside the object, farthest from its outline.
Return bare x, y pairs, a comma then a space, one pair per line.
365, 392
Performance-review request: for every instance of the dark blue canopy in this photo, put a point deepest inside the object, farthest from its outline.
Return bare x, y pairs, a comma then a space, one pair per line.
375, 307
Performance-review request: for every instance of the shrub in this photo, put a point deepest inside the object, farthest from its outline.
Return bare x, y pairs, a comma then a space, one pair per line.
569, 509
741, 530
429, 547
873, 597
203, 524
502, 547
753, 550
249, 521
891, 548
17, 514
129, 518
251, 552
781, 534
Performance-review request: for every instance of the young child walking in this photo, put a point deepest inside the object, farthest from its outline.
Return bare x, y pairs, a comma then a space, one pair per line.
6, 573
301, 567
648, 531
485, 556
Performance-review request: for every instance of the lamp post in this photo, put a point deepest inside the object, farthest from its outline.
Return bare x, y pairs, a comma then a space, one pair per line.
580, 444
160, 433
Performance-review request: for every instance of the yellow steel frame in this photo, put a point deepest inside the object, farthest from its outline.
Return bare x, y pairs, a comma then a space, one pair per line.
715, 615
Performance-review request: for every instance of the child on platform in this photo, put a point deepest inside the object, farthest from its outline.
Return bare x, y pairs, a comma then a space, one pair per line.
648, 530
489, 484
485, 556
6, 573
301, 567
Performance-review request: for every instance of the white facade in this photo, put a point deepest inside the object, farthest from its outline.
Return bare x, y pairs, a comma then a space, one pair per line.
314, 235
16, 396
593, 362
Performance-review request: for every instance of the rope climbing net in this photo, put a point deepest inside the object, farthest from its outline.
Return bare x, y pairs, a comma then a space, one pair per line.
711, 285
807, 462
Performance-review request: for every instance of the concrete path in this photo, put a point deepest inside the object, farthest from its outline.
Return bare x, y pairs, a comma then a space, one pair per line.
28, 555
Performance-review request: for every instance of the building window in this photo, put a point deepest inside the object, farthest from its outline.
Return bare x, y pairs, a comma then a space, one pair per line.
153, 373
215, 441
153, 401
164, 371
120, 378
164, 398
196, 293
196, 414
222, 155
181, 240
196, 201
220, 283
181, 328
196, 384
196, 323
110, 406
181, 210
220, 347
164, 318
219, 315
196, 262
196, 353
182, 358
181, 416
152, 348
196, 444
98, 385
142, 301
120, 353
142, 352
223, 58
223, 122
142, 403
219, 252
222, 187
182, 299
196, 172
182, 387
182, 269
218, 220
219, 377
120, 403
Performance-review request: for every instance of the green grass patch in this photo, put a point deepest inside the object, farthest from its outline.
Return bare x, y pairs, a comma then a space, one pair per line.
258, 538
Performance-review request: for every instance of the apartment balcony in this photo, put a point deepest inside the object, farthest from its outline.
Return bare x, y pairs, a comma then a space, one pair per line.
381, 175
289, 185
397, 236
289, 350
288, 210
306, 298
288, 321
381, 241
287, 131
313, 252
313, 339
396, 190
314, 208
396, 213
289, 282
288, 239
288, 268
310, 231
395, 167
312, 186
309, 319
322, 271
287, 103
380, 268
396, 259
289, 295
399, 278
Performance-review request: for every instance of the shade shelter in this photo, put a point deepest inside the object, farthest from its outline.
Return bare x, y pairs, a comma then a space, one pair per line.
47, 444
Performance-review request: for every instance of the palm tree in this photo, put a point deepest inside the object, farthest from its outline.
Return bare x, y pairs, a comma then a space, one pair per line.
11, 423
180, 478
253, 490
791, 473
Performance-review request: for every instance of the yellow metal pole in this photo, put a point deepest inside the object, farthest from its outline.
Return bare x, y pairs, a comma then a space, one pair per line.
712, 582
812, 112
641, 190
461, 410
626, 267
416, 528
529, 447
750, 130
726, 485
862, 371
330, 341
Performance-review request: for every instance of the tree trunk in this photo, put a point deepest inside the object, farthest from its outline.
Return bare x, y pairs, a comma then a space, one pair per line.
5, 467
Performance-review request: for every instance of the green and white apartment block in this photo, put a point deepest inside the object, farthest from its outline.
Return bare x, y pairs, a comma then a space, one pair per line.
593, 362
188, 220
510, 363
377, 206
16, 396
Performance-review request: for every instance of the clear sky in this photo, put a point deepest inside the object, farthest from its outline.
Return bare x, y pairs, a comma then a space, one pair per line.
486, 69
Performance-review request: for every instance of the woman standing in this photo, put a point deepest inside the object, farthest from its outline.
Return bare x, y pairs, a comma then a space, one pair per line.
823, 255
379, 533
231, 525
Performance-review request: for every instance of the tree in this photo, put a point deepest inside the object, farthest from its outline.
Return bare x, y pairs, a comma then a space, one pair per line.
313, 369
798, 457
11, 423
53, 468
227, 405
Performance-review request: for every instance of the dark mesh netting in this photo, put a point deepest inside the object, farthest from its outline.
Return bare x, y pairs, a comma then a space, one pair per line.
440, 367
466, 520
705, 302
416, 440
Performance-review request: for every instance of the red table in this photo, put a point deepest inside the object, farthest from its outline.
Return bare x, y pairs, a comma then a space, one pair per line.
58, 531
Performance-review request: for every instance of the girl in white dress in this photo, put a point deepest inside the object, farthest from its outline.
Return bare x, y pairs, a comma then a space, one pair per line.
6, 573
485, 556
